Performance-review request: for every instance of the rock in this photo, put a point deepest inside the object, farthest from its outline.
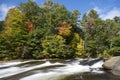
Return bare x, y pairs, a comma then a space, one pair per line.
113, 64
110, 63
91, 62
116, 70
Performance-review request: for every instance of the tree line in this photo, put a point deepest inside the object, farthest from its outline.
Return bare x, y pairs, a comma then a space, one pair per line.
31, 31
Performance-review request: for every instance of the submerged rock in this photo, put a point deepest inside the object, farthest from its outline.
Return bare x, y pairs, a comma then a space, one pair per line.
113, 64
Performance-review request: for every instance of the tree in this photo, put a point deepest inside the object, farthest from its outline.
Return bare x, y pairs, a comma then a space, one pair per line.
30, 9
1, 26
115, 47
64, 29
98, 34
117, 20
15, 22
54, 47
47, 31
88, 23
14, 34
93, 14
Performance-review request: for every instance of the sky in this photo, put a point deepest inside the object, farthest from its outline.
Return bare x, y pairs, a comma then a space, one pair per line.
107, 9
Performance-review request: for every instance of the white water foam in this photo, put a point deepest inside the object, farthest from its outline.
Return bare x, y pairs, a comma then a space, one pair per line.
98, 64
9, 64
96, 67
13, 63
61, 72
16, 70
58, 73
44, 76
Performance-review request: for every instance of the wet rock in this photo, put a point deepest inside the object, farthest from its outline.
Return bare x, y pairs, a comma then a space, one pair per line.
91, 62
113, 64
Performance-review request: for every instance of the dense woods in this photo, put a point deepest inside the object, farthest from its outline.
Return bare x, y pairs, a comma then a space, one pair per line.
31, 31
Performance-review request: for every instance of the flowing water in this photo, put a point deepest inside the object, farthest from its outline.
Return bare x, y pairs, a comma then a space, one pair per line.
77, 69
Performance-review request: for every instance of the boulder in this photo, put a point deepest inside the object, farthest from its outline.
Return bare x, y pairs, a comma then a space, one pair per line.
116, 70
113, 64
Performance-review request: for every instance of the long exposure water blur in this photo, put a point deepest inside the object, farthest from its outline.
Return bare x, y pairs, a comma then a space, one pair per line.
72, 69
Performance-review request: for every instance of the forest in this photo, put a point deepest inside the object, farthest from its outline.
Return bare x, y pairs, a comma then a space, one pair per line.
31, 31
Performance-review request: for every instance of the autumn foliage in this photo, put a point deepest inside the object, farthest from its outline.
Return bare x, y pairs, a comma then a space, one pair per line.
31, 31
64, 29
30, 25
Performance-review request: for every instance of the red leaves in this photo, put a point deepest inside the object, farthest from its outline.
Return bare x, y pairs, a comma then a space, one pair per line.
64, 29
30, 25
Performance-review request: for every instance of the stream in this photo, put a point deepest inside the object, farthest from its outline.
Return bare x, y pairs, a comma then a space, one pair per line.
71, 69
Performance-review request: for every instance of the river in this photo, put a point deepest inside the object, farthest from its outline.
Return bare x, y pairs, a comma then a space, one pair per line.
71, 69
